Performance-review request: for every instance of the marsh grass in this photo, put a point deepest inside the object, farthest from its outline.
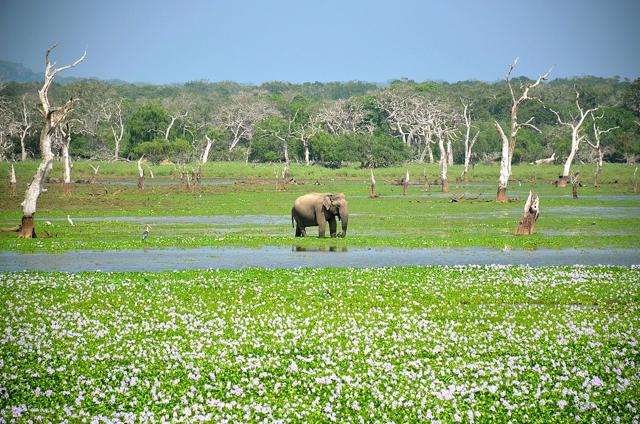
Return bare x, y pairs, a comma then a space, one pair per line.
420, 219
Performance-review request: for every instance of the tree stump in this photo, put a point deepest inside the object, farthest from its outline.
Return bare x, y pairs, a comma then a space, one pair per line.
27, 229
501, 196
562, 181
575, 182
531, 214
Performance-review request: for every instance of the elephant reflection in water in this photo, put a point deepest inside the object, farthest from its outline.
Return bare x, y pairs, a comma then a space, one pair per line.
316, 209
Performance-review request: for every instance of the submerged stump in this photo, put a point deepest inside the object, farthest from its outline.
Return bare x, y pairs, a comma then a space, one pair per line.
531, 214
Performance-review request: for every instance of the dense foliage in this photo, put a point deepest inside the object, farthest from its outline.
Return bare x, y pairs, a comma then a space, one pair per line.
329, 122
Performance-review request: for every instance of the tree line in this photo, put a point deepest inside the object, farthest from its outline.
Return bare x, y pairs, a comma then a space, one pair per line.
328, 123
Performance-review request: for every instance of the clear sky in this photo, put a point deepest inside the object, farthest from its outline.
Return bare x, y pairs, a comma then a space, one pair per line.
324, 40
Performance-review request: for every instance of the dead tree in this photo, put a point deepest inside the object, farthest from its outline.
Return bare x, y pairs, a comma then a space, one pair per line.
140, 174
304, 131
53, 118
405, 183
468, 142
509, 142
576, 137
25, 128
545, 161
207, 149
372, 187
12, 181
531, 214
635, 180
112, 113
241, 115
65, 132
597, 146
575, 182
95, 173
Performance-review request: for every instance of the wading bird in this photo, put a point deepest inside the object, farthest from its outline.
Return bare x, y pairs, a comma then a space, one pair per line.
70, 221
145, 233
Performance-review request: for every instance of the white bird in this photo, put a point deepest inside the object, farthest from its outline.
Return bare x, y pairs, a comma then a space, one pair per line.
145, 233
70, 221
48, 222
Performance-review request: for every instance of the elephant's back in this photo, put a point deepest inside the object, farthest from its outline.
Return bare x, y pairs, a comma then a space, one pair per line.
308, 198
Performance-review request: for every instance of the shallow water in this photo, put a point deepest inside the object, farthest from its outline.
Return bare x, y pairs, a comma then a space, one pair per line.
206, 219
163, 182
294, 256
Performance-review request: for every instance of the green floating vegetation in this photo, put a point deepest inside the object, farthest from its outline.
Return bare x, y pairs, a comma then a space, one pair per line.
405, 344
240, 206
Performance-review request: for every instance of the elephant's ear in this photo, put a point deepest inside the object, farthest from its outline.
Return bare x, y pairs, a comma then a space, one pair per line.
326, 202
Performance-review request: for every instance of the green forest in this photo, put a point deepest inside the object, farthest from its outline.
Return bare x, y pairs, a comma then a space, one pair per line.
326, 123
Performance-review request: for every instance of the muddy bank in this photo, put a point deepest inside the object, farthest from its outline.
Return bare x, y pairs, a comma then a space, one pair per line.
294, 256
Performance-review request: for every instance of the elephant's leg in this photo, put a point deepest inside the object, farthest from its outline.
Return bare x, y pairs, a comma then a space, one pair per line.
321, 227
332, 226
299, 231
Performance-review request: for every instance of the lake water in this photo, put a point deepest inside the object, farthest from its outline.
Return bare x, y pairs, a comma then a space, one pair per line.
295, 256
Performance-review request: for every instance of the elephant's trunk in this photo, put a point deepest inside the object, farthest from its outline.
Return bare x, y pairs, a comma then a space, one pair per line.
344, 217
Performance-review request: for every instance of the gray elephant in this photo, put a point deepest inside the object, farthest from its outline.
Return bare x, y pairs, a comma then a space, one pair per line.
317, 209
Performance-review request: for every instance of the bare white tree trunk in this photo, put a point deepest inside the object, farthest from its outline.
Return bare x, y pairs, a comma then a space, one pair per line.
118, 131
509, 143
468, 143
205, 154
140, 174
53, 118
576, 135
597, 146
450, 152
444, 162
66, 159
505, 166
174, 118
12, 181
24, 130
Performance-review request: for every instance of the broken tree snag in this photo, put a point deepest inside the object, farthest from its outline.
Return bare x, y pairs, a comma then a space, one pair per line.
65, 131
544, 161
575, 181
405, 183
635, 180
140, 174
12, 181
372, 187
95, 173
53, 118
531, 214
207, 149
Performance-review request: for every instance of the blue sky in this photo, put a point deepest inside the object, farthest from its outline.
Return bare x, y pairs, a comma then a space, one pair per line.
257, 41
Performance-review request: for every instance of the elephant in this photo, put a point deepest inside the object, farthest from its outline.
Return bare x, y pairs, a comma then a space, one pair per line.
317, 209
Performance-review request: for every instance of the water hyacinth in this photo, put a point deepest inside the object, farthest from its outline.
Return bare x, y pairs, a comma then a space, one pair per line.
441, 344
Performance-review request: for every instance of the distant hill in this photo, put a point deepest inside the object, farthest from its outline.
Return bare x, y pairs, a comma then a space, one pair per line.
16, 72
10, 71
